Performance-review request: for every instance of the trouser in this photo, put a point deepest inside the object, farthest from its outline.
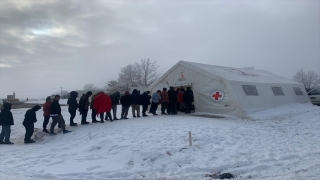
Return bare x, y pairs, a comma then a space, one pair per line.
188, 107
182, 107
154, 107
5, 133
94, 114
45, 122
164, 106
144, 109
72, 115
172, 108
58, 119
29, 131
108, 115
124, 111
84, 115
135, 107
114, 111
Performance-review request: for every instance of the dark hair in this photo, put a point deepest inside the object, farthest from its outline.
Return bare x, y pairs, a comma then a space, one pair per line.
48, 98
56, 96
159, 91
89, 93
164, 89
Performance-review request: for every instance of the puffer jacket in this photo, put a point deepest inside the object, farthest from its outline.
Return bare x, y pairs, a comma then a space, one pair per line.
6, 118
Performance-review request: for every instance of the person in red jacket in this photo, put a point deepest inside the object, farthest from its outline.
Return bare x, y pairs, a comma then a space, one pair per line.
102, 104
46, 113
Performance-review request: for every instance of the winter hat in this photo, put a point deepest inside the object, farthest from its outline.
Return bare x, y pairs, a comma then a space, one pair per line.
7, 106
48, 98
89, 93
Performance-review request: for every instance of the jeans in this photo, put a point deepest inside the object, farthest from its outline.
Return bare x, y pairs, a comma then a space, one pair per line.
154, 107
29, 132
57, 119
5, 133
114, 111
135, 107
72, 115
84, 115
124, 111
164, 106
45, 122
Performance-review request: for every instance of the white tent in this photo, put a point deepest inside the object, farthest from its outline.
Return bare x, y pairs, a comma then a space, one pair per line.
226, 91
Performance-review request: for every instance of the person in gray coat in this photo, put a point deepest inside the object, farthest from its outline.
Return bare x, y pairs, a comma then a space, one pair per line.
115, 99
155, 102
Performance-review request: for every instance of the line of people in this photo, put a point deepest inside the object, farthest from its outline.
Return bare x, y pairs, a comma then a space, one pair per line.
101, 105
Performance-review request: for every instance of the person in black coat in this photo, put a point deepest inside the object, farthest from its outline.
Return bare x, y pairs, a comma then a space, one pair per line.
135, 106
126, 101
173, 98
6, 121
115, 98
84, 107
145, 102
55, 113
188, 99
73, 106
29, 119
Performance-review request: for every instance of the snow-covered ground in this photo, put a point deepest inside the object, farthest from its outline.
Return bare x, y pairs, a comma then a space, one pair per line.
281, 143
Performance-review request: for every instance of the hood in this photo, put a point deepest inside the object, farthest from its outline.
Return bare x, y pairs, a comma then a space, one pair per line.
74, 94
36, 107
7, 106
135, 91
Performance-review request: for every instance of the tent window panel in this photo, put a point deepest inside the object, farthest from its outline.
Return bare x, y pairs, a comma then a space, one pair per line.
277, 91
297, 90
250, 90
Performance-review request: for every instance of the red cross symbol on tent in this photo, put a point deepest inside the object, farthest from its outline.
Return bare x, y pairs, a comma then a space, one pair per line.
217, 95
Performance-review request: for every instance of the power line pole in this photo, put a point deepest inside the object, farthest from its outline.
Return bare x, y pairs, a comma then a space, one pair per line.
61, 92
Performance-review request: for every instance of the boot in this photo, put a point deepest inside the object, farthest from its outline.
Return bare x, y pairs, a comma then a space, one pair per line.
115, 118
7, 142
83, 123
134, 116
138, 116
95, 121
46, 131
144, 115
29, 141
102, 121
73, 124
66, 131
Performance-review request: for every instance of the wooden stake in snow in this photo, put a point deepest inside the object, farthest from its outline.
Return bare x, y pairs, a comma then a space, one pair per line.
190, 140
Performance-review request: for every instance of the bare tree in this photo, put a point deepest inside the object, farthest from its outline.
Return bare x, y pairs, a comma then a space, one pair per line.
89, 87
146, 72
309, 79
127, 78
111, 86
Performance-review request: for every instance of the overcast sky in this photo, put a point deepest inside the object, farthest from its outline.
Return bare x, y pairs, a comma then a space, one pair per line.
48, 44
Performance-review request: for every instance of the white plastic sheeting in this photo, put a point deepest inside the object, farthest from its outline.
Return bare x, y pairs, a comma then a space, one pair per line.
206, 79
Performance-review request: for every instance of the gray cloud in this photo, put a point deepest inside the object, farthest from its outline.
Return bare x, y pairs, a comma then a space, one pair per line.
52, 44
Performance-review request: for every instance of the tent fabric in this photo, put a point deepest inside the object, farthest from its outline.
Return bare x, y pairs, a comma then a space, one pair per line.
207, 79
102, 103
